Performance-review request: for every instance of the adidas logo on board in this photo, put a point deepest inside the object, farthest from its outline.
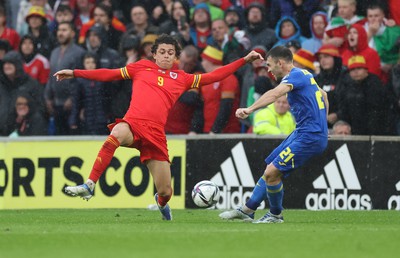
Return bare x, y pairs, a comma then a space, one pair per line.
394, 200
235, 179
337, 184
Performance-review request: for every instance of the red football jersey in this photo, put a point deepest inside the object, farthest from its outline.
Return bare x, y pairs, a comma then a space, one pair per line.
155, 90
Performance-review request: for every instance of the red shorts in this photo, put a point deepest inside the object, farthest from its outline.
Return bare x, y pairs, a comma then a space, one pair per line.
148, 137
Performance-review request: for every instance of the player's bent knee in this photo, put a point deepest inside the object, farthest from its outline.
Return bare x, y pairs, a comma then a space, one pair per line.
272, 175
165, 191
123, 133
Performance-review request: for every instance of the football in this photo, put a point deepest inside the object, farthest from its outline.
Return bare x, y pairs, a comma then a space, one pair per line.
205, 194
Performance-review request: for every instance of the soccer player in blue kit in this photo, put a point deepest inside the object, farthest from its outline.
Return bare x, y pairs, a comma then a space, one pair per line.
309, 105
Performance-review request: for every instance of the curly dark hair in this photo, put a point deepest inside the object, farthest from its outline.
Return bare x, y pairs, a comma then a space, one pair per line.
167, 39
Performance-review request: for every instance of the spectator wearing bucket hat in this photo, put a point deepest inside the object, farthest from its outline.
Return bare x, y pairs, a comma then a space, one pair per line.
37, 28
145, 46
331, 71
221, 99
24, 7
304, 59
363, 100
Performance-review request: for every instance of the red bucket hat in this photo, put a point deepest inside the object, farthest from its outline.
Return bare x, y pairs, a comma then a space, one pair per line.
328, 49
357, 62
305, 58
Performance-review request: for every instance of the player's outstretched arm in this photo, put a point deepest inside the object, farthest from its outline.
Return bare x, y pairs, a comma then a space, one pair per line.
226, 70
265, 99
64, 74
104, 75
252, 56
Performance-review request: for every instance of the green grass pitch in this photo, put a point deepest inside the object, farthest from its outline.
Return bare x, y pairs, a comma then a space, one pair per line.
116, 233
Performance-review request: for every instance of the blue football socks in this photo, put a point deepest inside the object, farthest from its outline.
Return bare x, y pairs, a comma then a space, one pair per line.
275, 197
259, 194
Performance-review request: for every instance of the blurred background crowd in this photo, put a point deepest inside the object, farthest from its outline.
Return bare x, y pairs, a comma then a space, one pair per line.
351, 47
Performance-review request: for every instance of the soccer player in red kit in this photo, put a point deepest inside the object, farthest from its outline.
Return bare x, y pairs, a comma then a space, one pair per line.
156, 89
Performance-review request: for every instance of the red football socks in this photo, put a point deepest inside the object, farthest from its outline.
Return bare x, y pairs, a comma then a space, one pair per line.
163, 200
104, 158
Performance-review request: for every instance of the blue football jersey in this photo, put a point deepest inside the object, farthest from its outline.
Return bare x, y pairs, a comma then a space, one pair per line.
306, 102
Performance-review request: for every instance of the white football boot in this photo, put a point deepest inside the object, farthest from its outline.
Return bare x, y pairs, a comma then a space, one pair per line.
270, 218
82, 191
237, 214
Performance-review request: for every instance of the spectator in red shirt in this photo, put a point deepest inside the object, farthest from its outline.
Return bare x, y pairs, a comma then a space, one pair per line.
358, 45
6, 33
35, 64
181, 119
157, 86
221, 98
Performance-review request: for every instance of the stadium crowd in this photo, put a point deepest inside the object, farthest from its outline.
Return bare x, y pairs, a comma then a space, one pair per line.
351, 47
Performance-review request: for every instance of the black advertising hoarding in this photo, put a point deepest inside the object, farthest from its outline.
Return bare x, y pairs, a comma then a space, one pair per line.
218, 159
358, 174
385, 179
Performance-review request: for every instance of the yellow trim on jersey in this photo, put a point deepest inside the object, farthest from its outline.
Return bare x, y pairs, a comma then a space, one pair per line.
124, 73
196, 81
290, 85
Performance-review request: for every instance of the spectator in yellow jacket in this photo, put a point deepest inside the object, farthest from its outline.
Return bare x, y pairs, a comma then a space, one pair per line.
274, 119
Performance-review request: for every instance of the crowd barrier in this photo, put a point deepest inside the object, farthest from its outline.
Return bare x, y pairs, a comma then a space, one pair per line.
354, 173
